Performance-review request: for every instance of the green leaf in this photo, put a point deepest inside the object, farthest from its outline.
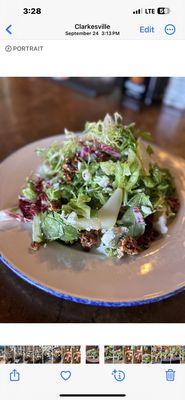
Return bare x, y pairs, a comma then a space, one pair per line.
79, 205
131, 156
57, 152
37, 235
121, 173
133, 220
149, 182
28, 191
133, 179
108, 167
53, 194
54, 228
143, 156
142, 201
139, 199
156, 173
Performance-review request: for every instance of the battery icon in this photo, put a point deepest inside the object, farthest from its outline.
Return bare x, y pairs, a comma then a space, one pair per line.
163, 10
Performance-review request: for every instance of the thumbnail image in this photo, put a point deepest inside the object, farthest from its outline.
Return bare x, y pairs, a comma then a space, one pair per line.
57, 354
144, 354
118, 354
76, 355
9, 354
47, 354
108, 354
146, 359
156, 354
137, 354
37, 355
78, 147
92, 355
28, 354
175, 354
166, 354
128, 354
2, 354
67, 354
18, 354
182, 354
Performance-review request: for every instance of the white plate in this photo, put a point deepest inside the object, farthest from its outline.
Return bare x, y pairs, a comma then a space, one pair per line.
89, 278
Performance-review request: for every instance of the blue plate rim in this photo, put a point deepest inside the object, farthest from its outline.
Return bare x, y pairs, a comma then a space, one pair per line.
98, 303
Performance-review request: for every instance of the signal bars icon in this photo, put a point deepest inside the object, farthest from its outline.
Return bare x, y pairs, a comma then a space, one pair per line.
138, 11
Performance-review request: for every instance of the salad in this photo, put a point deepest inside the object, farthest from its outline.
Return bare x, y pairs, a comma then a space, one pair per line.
92, 354
99, 190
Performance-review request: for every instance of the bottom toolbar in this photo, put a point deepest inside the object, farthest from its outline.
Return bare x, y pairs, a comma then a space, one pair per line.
55, 381
92, 371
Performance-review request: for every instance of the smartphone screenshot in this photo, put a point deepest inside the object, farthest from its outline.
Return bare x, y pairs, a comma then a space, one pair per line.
92, 200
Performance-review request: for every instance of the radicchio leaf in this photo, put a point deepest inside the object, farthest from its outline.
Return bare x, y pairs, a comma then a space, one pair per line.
31, 208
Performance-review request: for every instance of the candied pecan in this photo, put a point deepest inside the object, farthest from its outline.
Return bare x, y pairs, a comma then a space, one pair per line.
174, 204
35, 246
88, 239
55, 205
127, 245
69, 168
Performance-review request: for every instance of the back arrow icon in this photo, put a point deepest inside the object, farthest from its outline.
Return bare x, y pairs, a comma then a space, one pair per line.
8, 29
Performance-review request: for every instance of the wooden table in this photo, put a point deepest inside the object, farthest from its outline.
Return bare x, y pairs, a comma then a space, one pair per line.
33, 108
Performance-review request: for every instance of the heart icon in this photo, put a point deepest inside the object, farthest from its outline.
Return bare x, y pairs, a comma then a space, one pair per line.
65, 375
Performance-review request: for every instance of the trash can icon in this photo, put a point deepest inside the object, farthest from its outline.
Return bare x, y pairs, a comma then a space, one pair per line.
170, 375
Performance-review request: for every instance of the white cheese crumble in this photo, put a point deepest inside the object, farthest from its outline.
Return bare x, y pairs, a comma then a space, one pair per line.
43, 170
112, 236
86, 175
70, 219
146, 210
56, 185
102, 181
160, 225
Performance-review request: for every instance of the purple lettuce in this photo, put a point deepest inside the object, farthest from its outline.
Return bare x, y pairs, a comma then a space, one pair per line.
110, 150
30, 208
97, 151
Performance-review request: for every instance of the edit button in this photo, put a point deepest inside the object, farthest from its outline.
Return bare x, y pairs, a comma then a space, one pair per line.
147, 29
